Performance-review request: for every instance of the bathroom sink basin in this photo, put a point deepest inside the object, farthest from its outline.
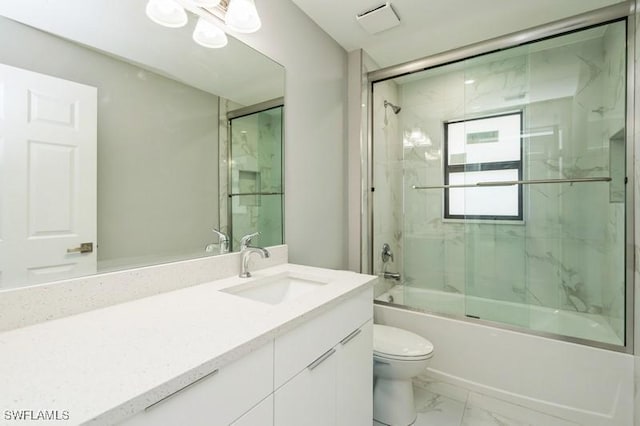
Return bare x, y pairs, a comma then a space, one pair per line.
278, 288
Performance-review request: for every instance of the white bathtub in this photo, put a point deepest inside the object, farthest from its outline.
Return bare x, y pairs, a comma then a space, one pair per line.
538, 318
587, 385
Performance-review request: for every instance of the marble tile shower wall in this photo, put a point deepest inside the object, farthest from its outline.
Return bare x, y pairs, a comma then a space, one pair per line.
270, 221
570, 241
253, 154
387, 151
613, 111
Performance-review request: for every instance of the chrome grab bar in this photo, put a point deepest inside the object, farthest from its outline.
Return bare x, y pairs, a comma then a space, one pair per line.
516, 182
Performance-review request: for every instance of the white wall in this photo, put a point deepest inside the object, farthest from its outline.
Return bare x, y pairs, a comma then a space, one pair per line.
315, 132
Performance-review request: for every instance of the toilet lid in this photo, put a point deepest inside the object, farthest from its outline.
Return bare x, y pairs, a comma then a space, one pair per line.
399, 343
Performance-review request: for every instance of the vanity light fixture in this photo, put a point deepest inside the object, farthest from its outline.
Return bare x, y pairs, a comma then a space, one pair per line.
167, 13
238, 15
242, 16
207, 34
206, 3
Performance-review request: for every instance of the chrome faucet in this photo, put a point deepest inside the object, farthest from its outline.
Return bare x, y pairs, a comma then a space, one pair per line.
223, 241
247, 250
246, 240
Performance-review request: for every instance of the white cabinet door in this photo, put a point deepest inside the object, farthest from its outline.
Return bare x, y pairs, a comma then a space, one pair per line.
354, 392
48, 129
260, 415
299, 347
309, 398
217, 399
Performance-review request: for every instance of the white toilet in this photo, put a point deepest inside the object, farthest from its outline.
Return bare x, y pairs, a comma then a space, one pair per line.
398, 356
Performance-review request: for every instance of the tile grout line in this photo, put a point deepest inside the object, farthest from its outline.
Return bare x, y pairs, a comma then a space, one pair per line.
464, 409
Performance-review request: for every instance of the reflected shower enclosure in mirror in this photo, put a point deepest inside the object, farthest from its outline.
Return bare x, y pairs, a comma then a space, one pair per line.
255, 173
112, 134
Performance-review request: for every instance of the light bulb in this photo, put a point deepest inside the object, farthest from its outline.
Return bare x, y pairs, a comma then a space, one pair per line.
209, 35
167, 13
242, 16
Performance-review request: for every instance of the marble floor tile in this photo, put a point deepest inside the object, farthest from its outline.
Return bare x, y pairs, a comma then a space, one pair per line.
442, 388
515, 412
474, 416
443, 404
436, 409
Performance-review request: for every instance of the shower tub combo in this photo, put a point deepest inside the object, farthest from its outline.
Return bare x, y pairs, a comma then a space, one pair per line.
499, 179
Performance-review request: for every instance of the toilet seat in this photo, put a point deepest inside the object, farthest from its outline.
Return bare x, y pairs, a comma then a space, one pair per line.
382, 357
401, 345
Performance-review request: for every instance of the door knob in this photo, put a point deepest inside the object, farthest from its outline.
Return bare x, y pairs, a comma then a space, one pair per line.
84, 248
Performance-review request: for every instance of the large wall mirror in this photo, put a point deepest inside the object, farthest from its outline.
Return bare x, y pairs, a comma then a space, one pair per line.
116, 139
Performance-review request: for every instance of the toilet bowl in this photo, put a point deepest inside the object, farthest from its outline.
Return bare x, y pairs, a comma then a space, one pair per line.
398, 356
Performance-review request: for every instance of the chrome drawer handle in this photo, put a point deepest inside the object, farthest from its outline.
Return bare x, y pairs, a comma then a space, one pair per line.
322, 359
350, 336
155, 404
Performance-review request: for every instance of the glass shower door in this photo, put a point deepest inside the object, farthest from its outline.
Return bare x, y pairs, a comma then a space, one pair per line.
499, 182
558, 267
255, 175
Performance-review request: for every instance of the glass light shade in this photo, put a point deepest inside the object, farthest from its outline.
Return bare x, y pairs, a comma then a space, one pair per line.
209, 35
206, 3
242, 16
167, 13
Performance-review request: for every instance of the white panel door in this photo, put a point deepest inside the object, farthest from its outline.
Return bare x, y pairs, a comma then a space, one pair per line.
48, 136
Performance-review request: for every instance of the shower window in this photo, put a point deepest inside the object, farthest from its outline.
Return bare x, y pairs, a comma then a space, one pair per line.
485, 149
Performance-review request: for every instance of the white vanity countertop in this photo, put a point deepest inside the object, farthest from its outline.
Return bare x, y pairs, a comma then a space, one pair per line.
103, 365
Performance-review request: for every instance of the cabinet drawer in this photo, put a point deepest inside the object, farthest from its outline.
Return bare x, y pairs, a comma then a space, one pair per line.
217, 399
297, 349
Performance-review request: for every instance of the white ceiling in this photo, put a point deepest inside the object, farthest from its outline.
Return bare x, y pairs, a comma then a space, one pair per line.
121, 28
432, 26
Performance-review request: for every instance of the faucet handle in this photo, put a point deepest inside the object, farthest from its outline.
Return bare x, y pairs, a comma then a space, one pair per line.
222, 235
224, 241
246, 240
386, 253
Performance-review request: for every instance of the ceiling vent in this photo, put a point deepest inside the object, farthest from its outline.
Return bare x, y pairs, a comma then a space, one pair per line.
378, 19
